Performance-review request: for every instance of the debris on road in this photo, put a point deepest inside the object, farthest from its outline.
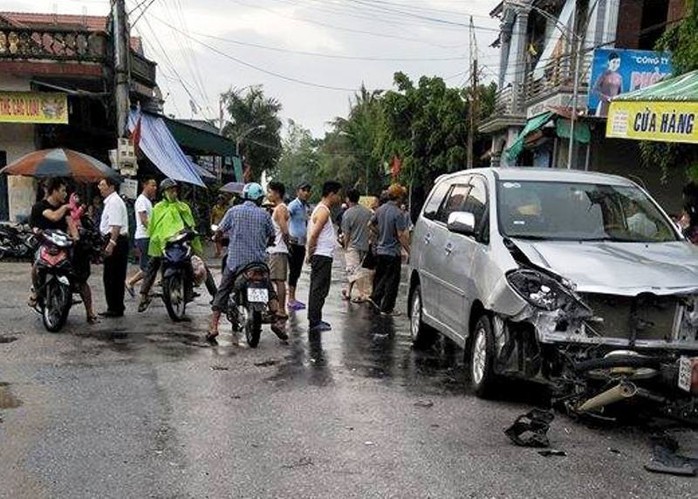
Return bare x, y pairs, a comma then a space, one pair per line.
530, 429
614, 451
424, 403
303, 461
369, 443
266, 363
552, 452
219, 368
665, 458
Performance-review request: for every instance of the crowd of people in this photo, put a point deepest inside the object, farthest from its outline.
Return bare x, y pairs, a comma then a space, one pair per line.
259, 226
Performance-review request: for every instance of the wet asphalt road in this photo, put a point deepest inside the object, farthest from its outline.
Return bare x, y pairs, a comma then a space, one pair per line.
141, 407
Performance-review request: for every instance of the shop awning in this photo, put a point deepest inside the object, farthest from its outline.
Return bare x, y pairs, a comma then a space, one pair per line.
664, 112
197, 141
158, 144
532, 125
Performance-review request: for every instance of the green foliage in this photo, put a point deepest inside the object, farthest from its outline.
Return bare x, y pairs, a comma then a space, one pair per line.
680, 40
255, 125
425, 125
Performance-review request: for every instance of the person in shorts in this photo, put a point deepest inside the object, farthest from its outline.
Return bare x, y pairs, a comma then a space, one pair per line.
278, 253
356, 235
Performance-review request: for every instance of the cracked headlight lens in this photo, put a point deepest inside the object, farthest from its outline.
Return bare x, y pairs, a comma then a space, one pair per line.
539, 289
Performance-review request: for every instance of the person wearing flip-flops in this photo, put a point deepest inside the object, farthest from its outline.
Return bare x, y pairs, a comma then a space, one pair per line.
356, 233
143, 208
298, 229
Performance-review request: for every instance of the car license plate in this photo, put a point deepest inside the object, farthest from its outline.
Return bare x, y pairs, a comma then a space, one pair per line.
686, 372
257, 295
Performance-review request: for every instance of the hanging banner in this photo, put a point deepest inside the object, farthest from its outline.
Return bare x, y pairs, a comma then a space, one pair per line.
617, 71
33, 107
653, 120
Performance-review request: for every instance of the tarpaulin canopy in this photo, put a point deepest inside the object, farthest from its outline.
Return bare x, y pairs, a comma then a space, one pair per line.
664, 112
158, 144
531, 126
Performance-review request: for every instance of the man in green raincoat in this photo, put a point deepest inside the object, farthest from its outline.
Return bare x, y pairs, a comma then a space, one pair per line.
169, 217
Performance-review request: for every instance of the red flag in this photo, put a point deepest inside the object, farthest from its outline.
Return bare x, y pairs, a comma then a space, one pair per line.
247, 173
395, 167
136, 135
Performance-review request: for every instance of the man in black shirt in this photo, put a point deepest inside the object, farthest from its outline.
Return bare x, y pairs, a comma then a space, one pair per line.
52, 211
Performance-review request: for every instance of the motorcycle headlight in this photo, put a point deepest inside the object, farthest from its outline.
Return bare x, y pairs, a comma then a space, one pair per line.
539, 289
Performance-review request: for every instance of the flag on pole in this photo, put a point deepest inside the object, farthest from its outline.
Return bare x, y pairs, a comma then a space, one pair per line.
395, 167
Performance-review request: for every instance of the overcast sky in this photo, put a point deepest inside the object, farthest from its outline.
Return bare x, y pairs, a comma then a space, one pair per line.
311, 55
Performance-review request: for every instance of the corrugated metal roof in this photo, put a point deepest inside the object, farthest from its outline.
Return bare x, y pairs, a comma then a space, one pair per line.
683, 88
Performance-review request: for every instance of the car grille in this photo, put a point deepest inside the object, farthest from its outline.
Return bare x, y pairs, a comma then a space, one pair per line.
643, 317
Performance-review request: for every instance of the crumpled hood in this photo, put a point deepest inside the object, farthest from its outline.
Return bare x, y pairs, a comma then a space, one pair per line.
619, 268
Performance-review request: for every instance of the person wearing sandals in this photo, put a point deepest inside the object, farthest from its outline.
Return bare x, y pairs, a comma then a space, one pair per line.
298, 228
356, 232
322, 240
143, 208
250, 231
278, 253
53, 213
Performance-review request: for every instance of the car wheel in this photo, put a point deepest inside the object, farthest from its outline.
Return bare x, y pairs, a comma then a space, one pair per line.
482, 376
422, 335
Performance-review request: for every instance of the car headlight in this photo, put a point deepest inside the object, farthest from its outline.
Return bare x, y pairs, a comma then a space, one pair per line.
539, 289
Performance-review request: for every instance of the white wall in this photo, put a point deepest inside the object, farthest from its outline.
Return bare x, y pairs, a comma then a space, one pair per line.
17, 139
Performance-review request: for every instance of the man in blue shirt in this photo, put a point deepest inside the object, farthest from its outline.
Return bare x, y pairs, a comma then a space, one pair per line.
250, 231
298, 211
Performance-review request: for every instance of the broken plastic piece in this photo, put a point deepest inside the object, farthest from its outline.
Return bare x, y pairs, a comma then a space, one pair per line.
666, 460
530, 429
552, 452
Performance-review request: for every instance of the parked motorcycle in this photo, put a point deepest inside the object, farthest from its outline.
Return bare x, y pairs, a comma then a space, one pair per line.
249, 302
55, 294
17, 242
177, 275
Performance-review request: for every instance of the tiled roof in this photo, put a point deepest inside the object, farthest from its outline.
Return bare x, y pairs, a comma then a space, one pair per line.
32, 20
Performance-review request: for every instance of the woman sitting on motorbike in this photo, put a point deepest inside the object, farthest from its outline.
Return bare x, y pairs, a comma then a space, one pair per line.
169, 217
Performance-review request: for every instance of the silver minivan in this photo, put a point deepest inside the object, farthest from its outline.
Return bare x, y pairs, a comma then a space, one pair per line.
575, 278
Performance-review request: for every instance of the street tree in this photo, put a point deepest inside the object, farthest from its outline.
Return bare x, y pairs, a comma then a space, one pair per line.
254, 125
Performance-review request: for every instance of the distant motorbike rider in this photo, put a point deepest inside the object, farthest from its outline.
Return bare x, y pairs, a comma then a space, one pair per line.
54, 213
250, 231
169, 217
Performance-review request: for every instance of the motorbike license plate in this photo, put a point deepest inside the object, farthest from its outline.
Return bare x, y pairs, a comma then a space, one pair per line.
257, 295
686, 372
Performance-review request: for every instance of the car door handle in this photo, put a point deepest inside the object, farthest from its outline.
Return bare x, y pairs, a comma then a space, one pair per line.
448, 248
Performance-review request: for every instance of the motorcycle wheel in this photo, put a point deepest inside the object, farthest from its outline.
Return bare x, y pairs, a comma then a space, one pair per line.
253, 328
56, 306
173, 296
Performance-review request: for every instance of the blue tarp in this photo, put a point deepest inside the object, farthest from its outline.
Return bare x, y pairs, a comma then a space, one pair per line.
158, 144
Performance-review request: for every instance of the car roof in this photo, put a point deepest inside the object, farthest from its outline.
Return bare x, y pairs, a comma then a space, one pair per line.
545, 175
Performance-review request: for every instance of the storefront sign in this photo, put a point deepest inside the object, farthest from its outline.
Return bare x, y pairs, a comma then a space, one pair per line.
617, 71
33, 107
660, 121
557, 100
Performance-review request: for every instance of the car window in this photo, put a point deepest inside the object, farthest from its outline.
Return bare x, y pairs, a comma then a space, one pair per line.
455, 200
583, 212
476, 203
431, 208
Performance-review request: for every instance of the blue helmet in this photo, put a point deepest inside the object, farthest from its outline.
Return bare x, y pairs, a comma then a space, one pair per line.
252, 192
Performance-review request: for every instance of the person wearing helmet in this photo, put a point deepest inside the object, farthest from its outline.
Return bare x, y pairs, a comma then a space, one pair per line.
169, 217
250, 231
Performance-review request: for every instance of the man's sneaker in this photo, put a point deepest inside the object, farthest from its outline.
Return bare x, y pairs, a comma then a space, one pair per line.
320, 327
326, 324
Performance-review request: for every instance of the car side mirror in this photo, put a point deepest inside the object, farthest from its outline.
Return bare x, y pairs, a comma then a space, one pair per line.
461, 222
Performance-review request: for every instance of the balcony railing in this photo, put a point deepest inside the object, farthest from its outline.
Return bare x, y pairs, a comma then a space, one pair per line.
142, 69
53, 44
558, 77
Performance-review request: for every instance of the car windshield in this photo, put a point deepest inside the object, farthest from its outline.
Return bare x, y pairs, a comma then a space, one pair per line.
580, 212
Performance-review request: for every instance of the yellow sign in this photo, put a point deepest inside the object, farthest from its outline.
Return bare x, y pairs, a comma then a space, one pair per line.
658, 121
33, 107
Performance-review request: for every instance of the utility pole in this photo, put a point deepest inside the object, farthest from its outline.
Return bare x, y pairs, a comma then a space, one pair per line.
121, 66
473, 94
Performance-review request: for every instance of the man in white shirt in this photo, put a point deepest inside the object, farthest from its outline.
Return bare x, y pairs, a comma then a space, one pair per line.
143, 208
114, 227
